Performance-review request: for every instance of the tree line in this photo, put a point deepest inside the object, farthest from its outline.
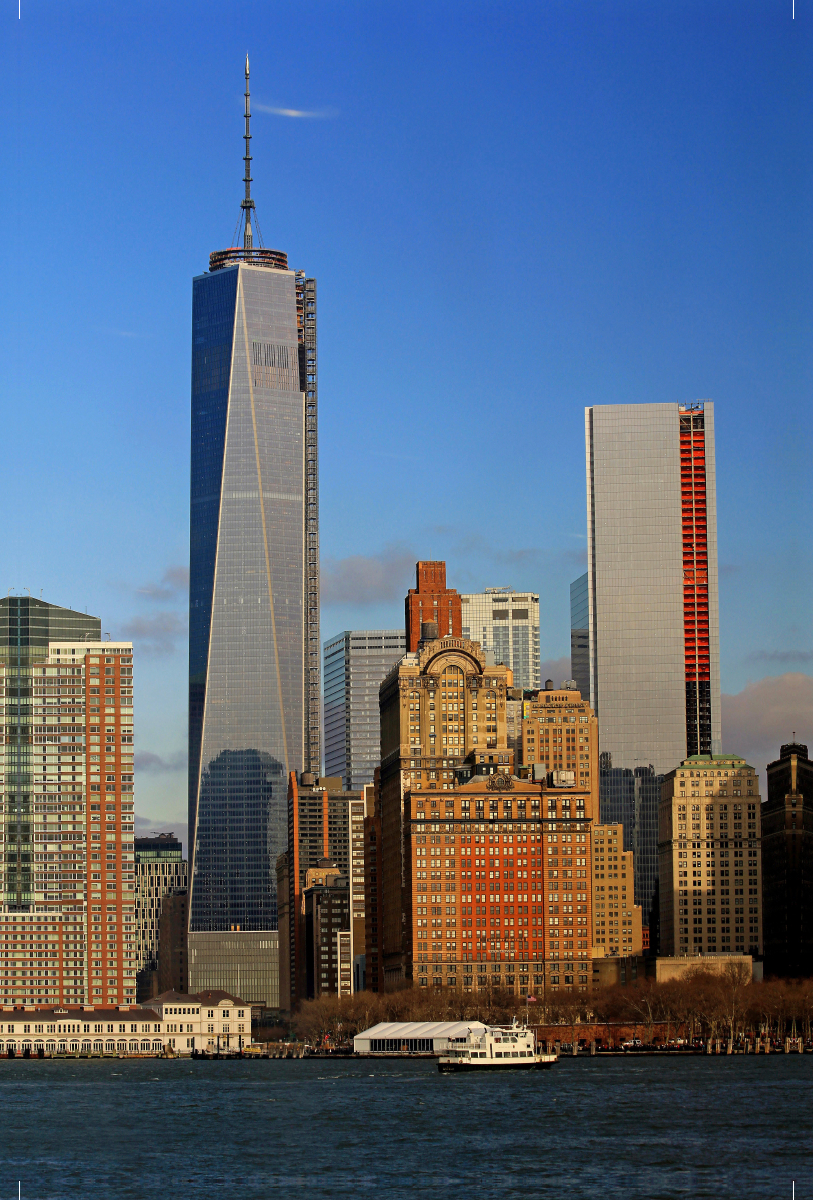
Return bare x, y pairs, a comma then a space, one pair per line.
699, 1005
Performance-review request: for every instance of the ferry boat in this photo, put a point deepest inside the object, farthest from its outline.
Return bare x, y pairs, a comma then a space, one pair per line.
493, 1048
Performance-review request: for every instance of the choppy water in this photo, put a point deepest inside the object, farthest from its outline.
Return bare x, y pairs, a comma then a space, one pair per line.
643, 1127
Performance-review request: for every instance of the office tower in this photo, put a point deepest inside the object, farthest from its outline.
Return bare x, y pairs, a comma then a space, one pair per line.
442, 710
431, 601
580, 634
506, 624
787, 863
326, 917
254, 583
160, 868
710, 858
319, 830
617, 924
173, 948
356, 661
652, 581
67, 808
560, 736
653, 611
373, 903
524, 924
359, 810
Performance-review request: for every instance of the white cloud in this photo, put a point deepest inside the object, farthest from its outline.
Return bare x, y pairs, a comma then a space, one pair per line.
321, 114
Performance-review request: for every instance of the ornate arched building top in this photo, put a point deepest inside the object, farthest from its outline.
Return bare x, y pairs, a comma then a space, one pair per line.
434, 657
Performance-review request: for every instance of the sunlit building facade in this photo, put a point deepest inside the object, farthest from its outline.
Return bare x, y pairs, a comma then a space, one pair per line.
654, 648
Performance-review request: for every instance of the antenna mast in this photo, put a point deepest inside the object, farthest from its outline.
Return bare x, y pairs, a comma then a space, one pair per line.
248, 204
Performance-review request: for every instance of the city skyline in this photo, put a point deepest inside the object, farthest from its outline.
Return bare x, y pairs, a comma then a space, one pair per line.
672, 265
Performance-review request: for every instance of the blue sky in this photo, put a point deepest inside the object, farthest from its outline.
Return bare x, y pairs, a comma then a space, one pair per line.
513, 211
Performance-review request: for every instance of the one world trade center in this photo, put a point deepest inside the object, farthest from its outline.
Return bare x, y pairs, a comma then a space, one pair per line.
254, 570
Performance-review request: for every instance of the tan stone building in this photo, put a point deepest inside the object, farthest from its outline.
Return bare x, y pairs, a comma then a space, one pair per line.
709, 853
560, 733
617, 925
439, 706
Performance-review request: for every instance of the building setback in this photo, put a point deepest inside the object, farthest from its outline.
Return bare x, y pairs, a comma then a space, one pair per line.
653, 606
66, 799
506, 624
356, 662
254, 704
787, 863
710, 896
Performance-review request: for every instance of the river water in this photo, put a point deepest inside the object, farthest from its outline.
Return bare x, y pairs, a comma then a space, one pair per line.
252, 1130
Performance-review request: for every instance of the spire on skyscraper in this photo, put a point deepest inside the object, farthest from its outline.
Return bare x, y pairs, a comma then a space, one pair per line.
257, 256
247, 204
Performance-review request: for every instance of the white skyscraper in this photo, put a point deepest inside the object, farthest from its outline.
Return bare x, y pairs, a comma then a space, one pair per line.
654, 639
506, 623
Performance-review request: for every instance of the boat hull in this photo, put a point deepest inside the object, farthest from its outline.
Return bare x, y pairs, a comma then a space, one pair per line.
452, 1066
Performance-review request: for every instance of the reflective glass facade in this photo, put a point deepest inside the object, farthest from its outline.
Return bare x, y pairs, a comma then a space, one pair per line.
580, 634
506, 623
643, 528
356, 663
247, 653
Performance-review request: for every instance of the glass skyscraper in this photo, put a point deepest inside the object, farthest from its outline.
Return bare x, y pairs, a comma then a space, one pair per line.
356, 663
580, 634
254, 573
653, 608
506, 623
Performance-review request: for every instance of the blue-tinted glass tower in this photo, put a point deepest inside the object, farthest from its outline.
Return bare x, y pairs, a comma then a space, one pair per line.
254, 572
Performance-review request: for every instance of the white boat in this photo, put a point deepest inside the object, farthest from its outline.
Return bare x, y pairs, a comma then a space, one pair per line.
493, 1048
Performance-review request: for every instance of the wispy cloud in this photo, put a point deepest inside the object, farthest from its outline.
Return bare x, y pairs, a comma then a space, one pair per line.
368, 578
175, 582
782, 657
155, 765
155, 635
318, 114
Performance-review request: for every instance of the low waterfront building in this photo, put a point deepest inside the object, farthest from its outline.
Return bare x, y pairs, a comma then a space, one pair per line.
209, 1022
628, 969
411, 1037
